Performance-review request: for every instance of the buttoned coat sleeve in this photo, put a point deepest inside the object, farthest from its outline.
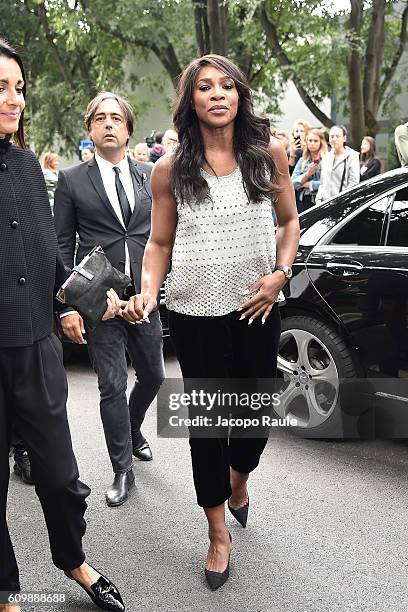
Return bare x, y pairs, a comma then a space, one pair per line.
65, 220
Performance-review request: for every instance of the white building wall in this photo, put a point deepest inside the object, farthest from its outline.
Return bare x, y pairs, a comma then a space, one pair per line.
294, 108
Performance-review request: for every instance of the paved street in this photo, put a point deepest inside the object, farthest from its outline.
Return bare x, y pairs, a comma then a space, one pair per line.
326, 532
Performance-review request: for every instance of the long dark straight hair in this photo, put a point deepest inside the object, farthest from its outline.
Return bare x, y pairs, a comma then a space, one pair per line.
251, 138
7, 51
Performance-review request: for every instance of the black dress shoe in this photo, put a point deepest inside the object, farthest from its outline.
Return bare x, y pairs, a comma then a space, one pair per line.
104, 593
215, 580
118, 492
241, 514
143, 452
22, 467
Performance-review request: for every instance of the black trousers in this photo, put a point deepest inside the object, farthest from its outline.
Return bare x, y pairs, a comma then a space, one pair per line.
107, 346
306, 203
224, 347
33, 393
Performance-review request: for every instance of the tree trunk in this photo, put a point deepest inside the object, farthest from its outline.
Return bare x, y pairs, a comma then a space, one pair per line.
168, 58
390, 71
216, 12
374, 58
354, 67
271, 34
201, 26
41, 14
84, 67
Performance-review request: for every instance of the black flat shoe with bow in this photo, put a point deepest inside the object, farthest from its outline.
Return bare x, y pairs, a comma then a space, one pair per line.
103, 593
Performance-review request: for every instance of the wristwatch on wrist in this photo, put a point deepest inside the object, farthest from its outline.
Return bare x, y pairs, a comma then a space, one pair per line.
287, 270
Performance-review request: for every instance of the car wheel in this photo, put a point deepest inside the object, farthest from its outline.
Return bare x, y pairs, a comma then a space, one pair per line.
314, 362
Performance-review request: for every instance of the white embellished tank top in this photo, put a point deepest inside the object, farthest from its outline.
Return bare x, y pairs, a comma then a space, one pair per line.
221, 247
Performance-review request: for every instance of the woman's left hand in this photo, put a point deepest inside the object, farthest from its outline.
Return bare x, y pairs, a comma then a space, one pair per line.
267, 288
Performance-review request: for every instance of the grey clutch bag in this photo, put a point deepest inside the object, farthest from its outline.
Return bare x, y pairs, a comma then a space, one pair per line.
85, 289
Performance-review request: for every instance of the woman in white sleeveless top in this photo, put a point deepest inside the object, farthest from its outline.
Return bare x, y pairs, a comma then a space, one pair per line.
212, 217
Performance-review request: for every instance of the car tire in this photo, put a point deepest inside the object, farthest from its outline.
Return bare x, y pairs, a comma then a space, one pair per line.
320, 382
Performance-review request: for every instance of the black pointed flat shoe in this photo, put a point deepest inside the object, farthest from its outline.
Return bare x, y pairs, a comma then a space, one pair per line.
215, 580
241, 514
104, 593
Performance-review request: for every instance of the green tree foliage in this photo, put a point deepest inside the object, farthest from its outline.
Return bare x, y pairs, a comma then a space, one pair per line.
67, 62
351, 57
74, 48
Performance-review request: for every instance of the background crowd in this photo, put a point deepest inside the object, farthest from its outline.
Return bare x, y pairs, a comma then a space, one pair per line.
321, 164
320, 161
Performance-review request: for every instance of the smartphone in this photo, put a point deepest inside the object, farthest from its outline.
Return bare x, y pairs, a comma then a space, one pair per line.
297, 141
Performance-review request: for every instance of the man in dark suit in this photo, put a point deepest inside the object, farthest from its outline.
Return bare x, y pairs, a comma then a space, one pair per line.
107, 202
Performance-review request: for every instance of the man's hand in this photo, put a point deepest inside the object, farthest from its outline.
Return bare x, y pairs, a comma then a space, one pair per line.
139, 307
73, 327
115, 304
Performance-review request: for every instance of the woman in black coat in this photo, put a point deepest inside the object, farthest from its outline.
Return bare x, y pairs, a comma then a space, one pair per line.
370, 165
33, 385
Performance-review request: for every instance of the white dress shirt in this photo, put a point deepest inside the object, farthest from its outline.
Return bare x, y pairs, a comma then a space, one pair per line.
108, 180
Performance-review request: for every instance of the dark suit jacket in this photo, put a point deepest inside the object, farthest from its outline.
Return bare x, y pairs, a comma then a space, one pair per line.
82, 206
29, 261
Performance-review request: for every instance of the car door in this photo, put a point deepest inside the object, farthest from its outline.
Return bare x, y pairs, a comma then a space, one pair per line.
361, 271
392, 392
351, 268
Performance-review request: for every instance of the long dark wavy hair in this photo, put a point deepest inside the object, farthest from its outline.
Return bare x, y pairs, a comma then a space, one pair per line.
251, 138
7, 51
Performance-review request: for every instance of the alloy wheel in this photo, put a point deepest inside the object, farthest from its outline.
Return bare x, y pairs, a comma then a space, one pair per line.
310, 379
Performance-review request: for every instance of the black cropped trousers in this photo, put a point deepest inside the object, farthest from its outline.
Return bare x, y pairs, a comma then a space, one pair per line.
33, 394
224, 347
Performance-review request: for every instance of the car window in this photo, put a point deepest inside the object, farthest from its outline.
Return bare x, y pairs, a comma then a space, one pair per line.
365, 228
398, 223
321, 219
316, 222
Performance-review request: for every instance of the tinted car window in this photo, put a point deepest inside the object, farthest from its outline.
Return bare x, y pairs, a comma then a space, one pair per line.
365, 228
398, 224
318, 220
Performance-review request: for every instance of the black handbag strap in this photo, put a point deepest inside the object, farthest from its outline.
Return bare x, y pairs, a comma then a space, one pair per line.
344, 175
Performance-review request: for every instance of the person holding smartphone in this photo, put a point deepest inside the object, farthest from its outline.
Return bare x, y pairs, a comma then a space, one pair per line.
306, 175
297, 142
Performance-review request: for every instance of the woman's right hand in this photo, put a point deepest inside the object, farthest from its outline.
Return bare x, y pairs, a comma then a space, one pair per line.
311, 170
294, 147
139, 307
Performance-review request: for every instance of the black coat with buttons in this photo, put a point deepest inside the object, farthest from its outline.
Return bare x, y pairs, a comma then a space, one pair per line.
30, 265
